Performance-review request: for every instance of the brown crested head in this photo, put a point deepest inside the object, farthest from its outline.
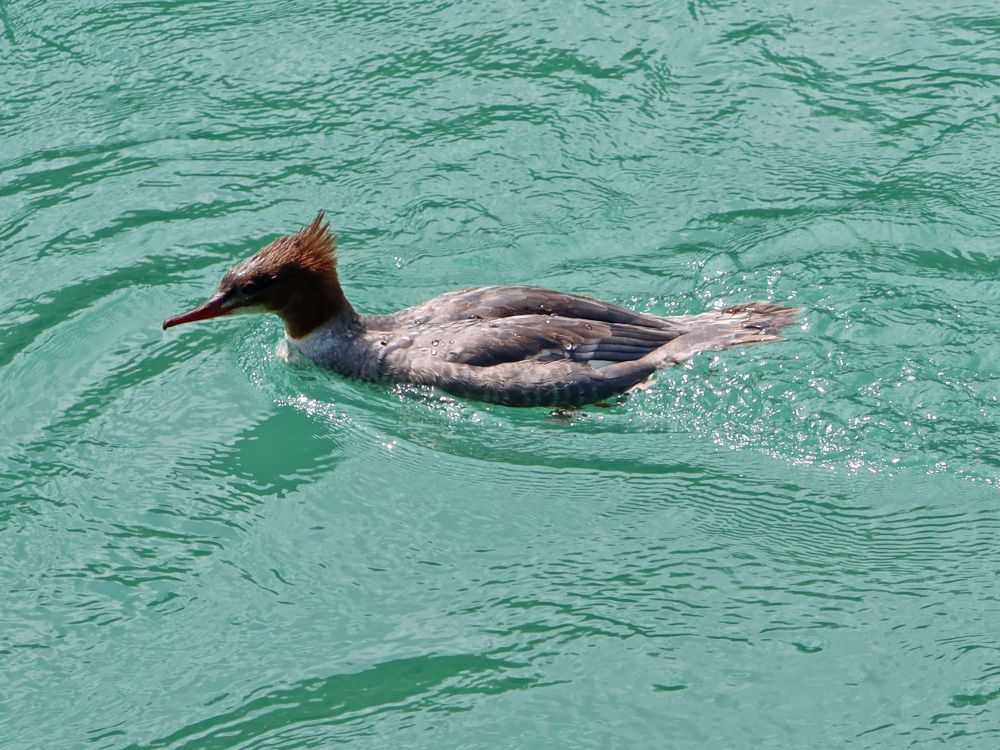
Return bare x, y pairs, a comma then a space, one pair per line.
310, 250
295, 276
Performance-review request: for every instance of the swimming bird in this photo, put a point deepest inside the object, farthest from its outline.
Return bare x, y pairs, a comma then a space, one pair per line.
506, 344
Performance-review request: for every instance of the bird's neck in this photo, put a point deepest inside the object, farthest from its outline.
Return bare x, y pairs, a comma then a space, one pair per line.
318, 302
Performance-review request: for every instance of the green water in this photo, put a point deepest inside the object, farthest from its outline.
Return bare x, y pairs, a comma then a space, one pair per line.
788, 546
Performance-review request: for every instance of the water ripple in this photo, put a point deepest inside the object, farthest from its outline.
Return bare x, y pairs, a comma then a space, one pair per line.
206, 546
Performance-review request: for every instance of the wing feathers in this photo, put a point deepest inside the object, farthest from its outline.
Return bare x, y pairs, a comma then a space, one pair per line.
547, 338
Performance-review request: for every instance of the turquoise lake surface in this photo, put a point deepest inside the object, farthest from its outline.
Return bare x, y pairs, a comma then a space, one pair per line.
793, 545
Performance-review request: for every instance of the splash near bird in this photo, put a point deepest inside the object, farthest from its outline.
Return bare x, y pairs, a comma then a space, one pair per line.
513, 345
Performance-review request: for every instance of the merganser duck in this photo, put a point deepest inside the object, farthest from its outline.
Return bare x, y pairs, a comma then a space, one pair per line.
513, 345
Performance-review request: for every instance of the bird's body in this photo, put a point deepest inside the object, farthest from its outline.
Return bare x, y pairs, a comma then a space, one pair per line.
514, 345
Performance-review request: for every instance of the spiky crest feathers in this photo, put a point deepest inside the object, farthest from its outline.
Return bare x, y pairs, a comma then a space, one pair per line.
313, 247
311, 250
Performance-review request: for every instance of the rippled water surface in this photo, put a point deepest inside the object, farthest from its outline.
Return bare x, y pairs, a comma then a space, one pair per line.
786, 546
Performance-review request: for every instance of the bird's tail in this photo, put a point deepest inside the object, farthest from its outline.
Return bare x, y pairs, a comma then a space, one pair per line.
748, 323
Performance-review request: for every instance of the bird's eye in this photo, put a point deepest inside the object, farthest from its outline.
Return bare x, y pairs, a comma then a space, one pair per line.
255, 286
